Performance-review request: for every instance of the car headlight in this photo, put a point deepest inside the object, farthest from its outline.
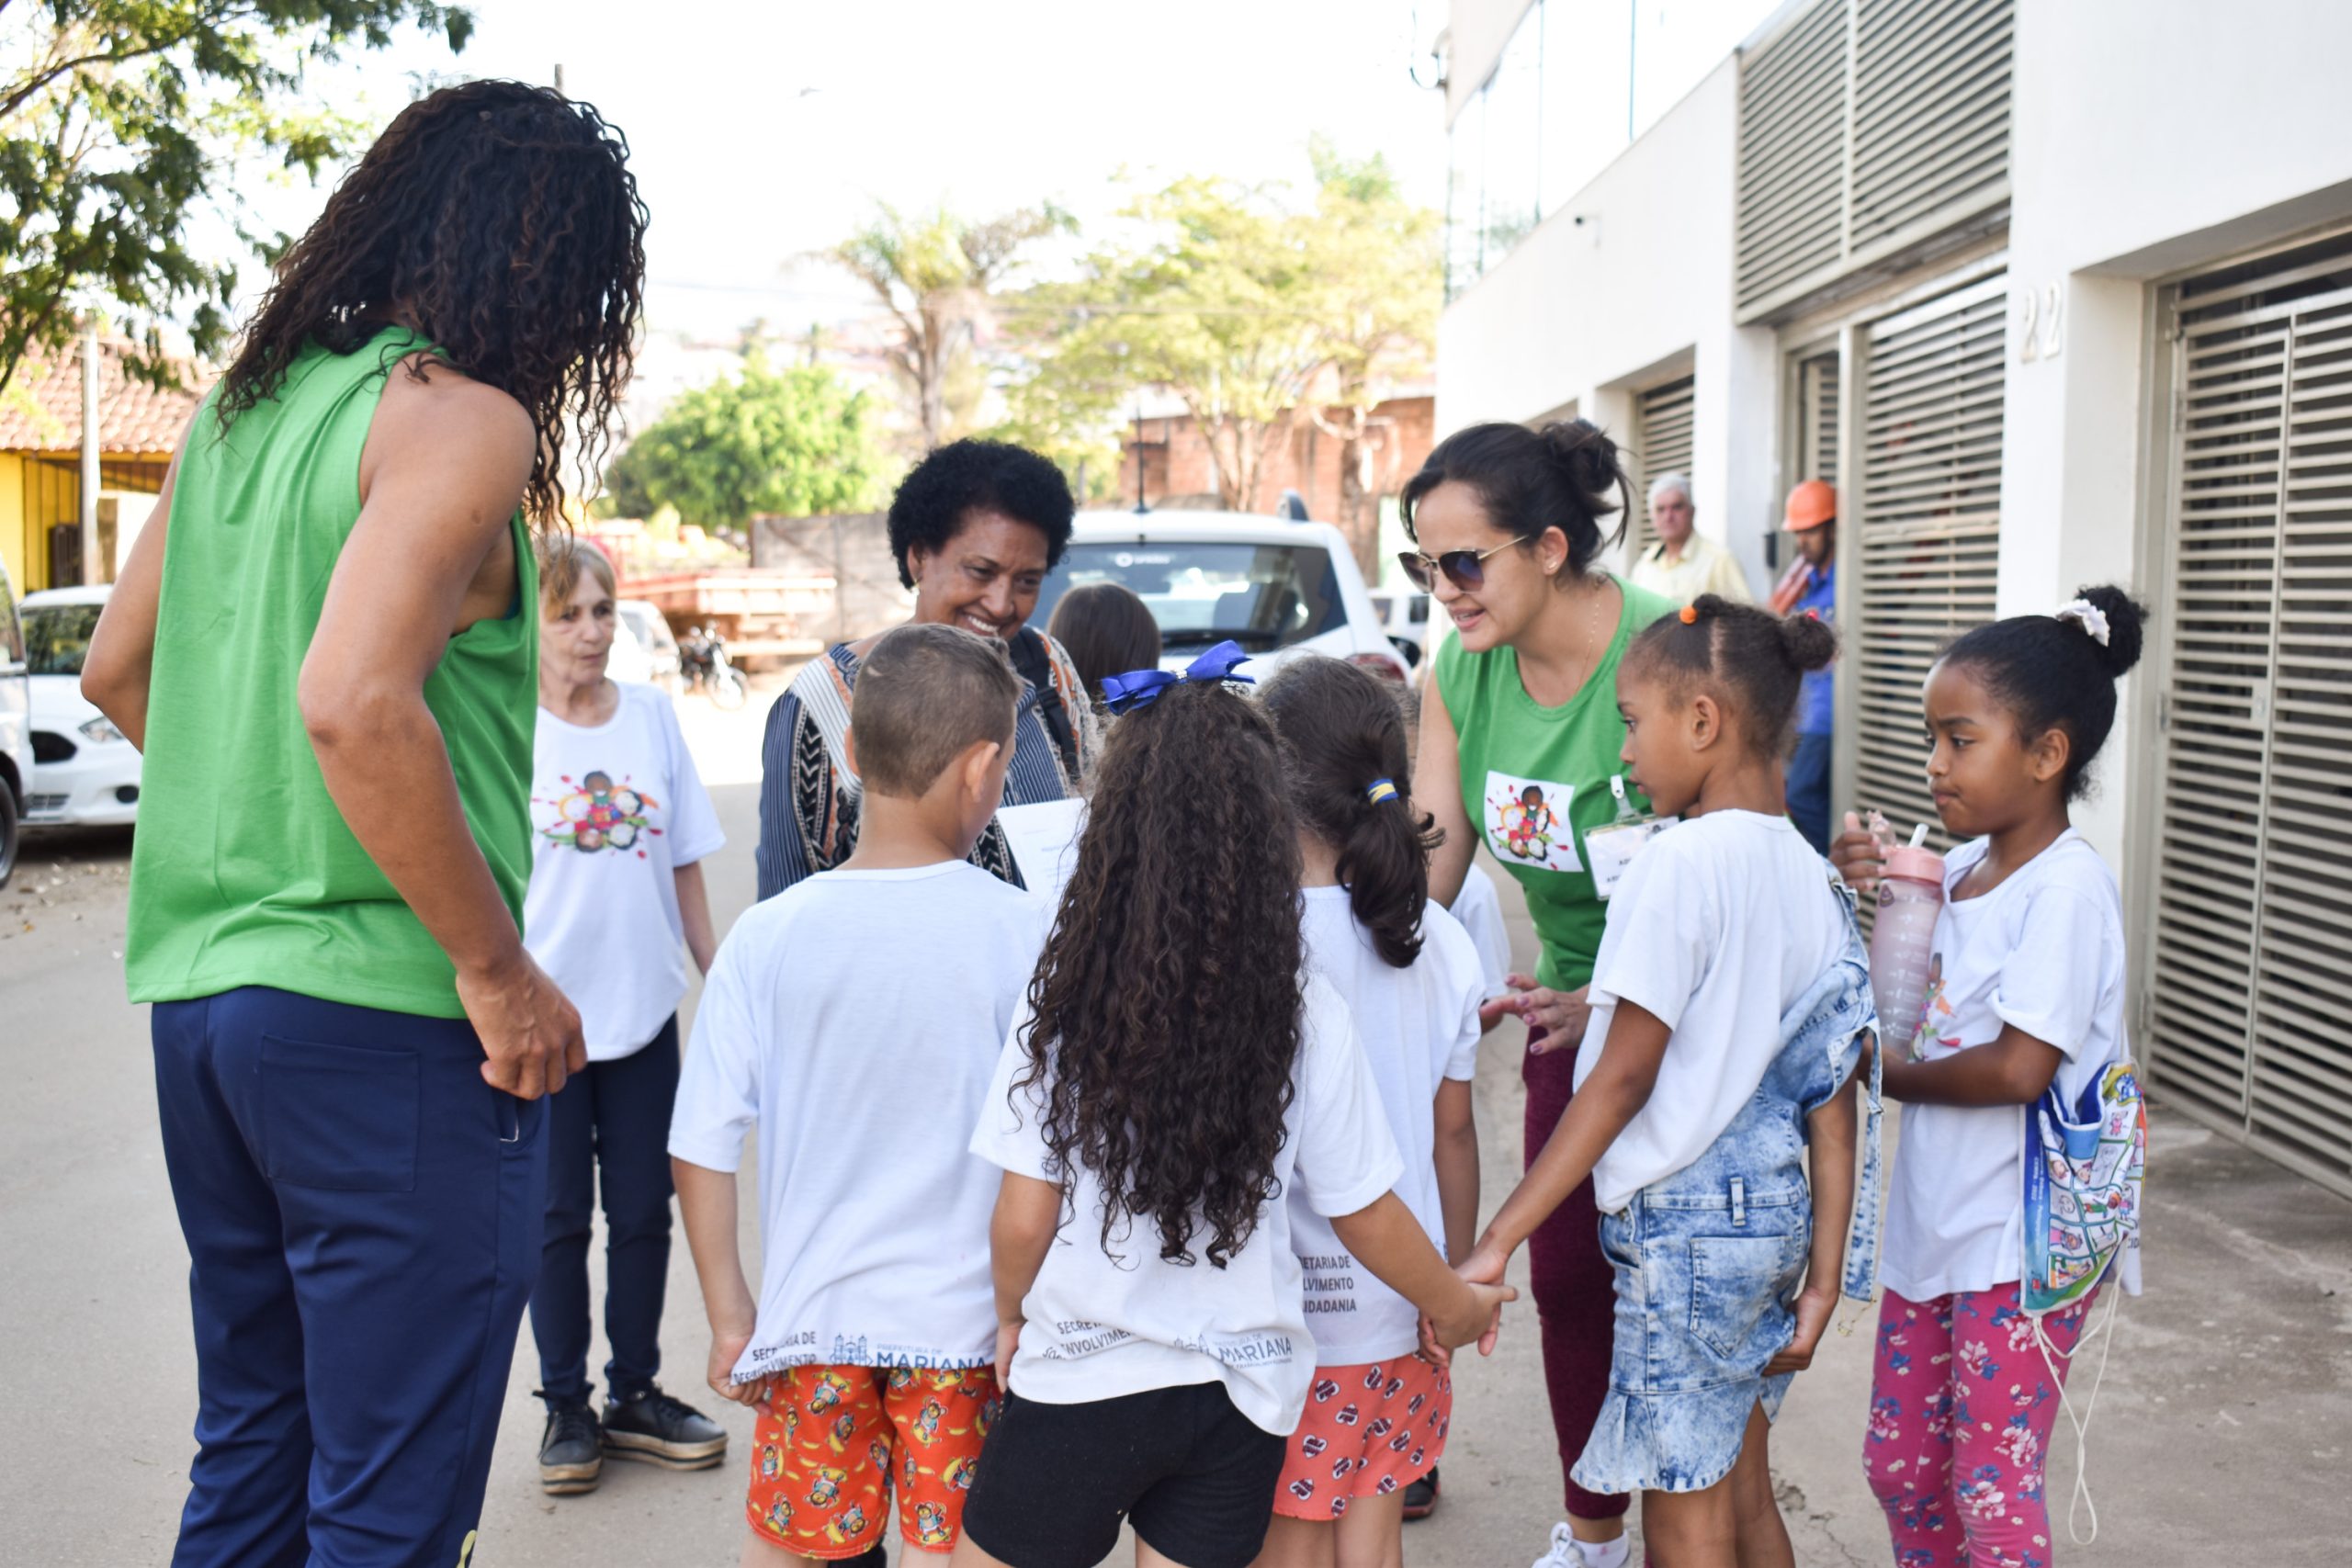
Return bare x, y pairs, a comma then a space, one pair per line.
100, 730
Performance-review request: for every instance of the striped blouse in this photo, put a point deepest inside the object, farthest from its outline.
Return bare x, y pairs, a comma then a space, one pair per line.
809, 808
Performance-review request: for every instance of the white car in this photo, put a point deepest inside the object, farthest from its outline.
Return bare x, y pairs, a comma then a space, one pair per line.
16, 728
1280, 589
1405, 614
653, 635
85, 773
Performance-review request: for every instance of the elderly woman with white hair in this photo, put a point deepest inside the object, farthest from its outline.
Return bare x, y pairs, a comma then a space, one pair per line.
1684, 563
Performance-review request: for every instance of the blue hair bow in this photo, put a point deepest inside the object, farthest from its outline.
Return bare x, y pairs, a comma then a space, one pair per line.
1141, 688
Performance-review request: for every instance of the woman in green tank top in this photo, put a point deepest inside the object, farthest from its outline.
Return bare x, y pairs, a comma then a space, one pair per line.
324, 644
1517, 752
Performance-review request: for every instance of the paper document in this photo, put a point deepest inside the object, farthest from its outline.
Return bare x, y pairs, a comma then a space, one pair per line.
1044, 839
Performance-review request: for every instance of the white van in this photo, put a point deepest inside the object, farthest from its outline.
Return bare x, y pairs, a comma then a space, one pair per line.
15, 727
1280, 589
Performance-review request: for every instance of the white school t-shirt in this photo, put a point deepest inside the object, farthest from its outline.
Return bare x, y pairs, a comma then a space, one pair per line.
616, 809
1721, 924
1419, 1027
2044, 951
855, 1017
1480, 910
1097, 1327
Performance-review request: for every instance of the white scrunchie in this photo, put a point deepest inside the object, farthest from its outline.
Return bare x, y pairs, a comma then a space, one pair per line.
2094, 619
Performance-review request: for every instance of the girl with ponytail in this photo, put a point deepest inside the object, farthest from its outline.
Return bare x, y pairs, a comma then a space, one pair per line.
1412, 979
1731, 1003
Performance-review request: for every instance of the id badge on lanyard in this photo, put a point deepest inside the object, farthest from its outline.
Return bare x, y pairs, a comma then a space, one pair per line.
1608, 851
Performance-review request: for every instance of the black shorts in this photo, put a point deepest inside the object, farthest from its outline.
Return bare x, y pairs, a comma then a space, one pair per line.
1195, 1475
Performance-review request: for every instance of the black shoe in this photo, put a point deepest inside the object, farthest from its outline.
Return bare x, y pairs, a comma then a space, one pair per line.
653, 1426
1420, 1496
571, 1449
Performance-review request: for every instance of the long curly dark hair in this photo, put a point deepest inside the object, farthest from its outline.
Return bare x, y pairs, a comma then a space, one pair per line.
502, 221
1166, 1002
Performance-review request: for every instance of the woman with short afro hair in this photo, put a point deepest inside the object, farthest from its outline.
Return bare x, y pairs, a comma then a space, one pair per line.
975, 526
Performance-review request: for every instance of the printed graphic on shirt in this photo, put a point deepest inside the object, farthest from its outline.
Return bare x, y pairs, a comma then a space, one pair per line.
1330, 1279
595, 815
1526, 822
1935, 1015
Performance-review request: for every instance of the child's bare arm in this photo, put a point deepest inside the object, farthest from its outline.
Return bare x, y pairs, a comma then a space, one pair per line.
1457, 1167
694, 914
706, 1200
1604, 1103
1829, 1130
1387, 1239
1028, 1212
2014, 1069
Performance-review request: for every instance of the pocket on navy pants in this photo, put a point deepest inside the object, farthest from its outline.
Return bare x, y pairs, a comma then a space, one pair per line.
339, 1116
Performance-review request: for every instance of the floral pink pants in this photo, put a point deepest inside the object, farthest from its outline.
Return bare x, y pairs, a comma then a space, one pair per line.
1961, 1406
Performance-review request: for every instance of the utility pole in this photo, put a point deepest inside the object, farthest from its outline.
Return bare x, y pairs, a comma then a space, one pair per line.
91, 564
558, 76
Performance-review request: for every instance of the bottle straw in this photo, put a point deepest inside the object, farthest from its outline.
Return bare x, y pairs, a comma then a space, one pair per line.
1919, 836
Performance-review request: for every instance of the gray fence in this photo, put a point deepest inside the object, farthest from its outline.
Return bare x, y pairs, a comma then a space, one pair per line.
854, 548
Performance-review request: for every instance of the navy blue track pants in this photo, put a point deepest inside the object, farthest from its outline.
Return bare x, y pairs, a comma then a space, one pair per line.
363, 1216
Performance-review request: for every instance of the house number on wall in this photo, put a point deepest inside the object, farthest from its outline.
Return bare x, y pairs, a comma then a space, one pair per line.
2044, 316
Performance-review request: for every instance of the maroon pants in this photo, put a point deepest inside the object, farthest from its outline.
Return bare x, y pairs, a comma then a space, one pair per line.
1575, 1286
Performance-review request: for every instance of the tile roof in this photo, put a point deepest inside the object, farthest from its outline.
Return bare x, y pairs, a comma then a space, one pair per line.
42, 409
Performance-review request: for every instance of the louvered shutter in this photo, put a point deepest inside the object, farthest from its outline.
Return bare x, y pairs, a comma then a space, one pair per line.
2250, 977
1866, 128
1791, 208
1932, 110
1816, 432
1923, 539
1662, 446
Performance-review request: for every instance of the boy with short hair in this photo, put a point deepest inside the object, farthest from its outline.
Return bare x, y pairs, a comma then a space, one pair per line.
857, 1018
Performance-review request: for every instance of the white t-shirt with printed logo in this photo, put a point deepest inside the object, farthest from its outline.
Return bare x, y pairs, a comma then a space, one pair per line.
2044, 951
855, 1018
1419, 1027
1097, 1327
1721, 924
616, 809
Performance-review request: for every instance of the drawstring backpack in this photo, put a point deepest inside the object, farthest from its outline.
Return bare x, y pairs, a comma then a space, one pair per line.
2084, 1166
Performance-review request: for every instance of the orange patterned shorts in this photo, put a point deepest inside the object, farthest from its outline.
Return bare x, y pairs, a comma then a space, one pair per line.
1368, 1430
830, 1444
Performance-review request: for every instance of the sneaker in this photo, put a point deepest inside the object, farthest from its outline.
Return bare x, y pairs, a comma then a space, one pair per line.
1564, 1552
571, 1449
1420, 1496
653, 1426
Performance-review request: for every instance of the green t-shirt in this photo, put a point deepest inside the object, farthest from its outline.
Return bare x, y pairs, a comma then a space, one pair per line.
1535, 780
244, 872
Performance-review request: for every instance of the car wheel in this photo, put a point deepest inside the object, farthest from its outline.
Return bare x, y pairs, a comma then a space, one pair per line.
9, 833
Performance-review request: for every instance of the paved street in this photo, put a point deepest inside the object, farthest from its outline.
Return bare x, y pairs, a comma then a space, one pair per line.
2220, 1433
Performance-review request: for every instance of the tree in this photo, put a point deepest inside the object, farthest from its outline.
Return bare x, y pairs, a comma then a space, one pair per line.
119, 117
1377, 267
791, 441
1256, 313
936, 273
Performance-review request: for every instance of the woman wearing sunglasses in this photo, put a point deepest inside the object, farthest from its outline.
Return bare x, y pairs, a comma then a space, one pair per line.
1519, 752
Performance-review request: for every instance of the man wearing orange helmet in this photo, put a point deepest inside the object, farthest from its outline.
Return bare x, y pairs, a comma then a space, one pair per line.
1810, 585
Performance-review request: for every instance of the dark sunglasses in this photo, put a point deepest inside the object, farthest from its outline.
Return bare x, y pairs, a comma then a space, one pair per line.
1465, 569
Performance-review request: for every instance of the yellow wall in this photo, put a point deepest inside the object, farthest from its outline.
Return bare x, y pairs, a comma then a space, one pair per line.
12, 520
35, 493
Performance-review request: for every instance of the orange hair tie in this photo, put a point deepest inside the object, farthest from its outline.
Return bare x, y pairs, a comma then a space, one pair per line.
1690, 615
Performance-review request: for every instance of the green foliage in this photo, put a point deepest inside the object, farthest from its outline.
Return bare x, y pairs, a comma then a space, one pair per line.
122, 118
1253, 309
936, 273
792, 441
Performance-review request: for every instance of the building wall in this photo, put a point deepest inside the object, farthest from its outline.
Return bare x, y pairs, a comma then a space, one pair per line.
1627, 284
2148, 139
1177, 461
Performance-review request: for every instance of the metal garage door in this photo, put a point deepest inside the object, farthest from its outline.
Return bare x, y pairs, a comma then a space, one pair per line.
2251, 978
1662, 446
1922, 538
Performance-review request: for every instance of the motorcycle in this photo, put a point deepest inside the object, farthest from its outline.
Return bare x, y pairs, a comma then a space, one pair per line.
702, 661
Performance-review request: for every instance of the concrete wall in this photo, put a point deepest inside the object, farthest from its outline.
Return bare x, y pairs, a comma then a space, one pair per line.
1629, 284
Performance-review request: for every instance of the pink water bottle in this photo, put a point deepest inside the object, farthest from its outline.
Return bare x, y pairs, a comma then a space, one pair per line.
1903, 938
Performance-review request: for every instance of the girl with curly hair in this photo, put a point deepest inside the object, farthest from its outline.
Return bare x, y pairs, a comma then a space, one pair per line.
1413, 979
1178, 1082
324, 644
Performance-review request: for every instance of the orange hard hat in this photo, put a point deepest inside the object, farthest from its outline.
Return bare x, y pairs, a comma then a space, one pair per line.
1811, 504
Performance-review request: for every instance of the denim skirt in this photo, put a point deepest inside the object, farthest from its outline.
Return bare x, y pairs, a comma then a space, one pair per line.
1705, 1282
